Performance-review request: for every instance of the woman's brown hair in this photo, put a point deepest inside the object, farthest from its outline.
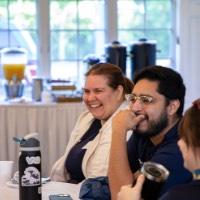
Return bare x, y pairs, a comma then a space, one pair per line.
114, 75
189, 127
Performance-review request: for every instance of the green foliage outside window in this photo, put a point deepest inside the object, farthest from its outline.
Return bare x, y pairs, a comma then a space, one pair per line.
78, 27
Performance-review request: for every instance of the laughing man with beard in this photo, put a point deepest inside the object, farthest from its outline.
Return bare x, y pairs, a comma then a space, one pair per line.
156, 106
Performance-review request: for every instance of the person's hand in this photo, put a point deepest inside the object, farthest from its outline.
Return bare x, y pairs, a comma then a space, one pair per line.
132, 193
126, 120
197, 103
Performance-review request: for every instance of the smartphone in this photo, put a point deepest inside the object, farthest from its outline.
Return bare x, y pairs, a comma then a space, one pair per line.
60, 197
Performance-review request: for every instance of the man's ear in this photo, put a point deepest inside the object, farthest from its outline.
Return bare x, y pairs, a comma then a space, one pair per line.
173, 106
120, 92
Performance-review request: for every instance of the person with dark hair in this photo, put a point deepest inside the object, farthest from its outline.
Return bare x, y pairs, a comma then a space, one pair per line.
156, 106
189, 144
87, 153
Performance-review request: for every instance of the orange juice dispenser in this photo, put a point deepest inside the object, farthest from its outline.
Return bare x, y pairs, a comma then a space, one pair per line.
13, 61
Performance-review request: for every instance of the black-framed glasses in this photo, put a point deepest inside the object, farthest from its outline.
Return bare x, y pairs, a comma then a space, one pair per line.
144, 99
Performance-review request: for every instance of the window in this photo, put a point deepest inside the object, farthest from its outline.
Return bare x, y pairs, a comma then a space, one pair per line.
68, 30
18, 27
151, 19
77, 29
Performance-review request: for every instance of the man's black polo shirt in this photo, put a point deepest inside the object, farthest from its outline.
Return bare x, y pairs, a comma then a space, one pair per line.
167, 153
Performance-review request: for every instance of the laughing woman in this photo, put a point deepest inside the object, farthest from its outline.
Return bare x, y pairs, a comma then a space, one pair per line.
87, 153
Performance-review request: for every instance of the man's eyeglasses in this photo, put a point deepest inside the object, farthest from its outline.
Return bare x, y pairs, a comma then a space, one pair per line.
144, 99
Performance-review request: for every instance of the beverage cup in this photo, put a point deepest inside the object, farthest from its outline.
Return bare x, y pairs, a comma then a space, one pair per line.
6, 170
37, 89
155, 176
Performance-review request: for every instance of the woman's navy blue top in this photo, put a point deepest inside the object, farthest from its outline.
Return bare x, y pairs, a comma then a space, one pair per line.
73, 163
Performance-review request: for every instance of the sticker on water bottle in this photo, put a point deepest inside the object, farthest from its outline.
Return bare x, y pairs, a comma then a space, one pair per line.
31, 177
33, 160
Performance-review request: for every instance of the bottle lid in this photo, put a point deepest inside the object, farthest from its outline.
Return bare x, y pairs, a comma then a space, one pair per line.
30, 140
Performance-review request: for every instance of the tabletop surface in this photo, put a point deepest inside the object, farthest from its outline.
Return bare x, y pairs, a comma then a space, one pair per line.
12, 193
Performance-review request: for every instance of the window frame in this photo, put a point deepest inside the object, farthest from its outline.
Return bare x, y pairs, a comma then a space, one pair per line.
111, 33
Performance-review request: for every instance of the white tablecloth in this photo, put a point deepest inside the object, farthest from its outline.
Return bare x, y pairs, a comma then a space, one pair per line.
54, 123
8, 193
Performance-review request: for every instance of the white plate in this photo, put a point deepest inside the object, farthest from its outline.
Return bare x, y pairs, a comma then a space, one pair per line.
16, 185
11, 184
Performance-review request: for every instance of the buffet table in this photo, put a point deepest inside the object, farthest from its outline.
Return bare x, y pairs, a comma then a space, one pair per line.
53, 121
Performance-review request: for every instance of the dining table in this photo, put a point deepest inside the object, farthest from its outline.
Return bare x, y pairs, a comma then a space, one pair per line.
9, 192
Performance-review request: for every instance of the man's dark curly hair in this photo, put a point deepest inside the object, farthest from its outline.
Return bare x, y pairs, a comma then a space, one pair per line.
170, 83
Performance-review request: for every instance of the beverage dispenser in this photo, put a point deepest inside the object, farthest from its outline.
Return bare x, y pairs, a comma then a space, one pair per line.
13, 61
116, 54
143, 54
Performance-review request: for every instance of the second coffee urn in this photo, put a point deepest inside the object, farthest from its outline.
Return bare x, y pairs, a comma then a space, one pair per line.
143, 54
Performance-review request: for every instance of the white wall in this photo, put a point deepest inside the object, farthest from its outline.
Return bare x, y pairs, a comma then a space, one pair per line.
189, 34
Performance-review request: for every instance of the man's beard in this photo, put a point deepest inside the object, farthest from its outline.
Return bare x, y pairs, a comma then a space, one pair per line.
155, 127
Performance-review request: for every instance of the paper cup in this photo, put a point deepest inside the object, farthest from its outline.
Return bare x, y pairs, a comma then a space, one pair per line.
6, 170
